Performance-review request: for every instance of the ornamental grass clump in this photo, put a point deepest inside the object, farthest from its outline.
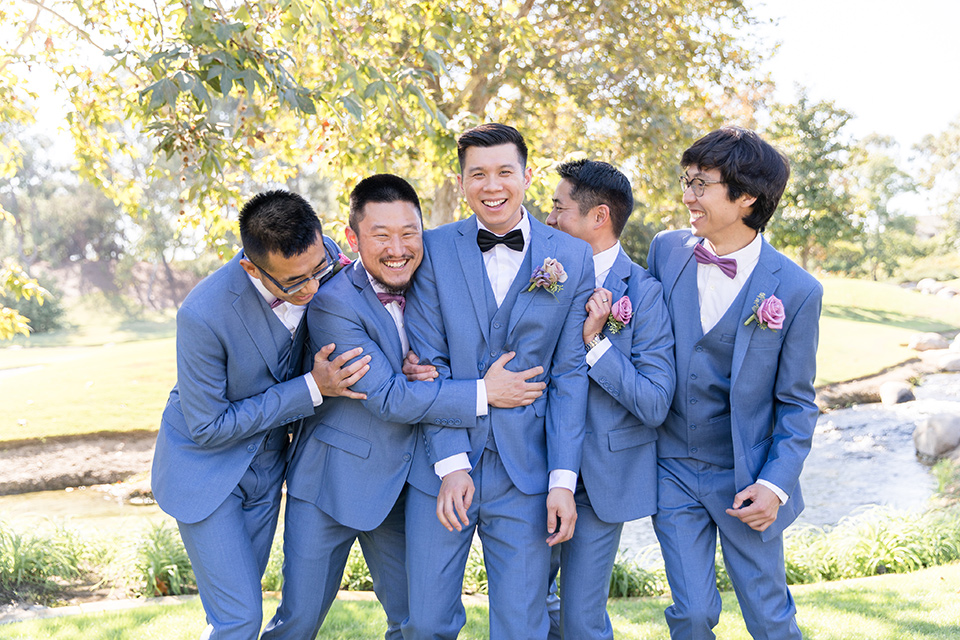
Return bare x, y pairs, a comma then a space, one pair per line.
35, 565
162, 563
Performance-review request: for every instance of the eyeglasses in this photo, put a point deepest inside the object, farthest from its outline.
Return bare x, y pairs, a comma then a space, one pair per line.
698, 184
318, 275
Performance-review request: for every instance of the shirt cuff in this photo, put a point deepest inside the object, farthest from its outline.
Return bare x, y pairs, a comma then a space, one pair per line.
481, 398
594, 354
315, 394
456, 462
563, 479
777, 490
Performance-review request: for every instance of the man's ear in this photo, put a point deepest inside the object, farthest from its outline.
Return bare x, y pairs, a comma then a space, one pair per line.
352, 240
746, 201
250, 268
600, 213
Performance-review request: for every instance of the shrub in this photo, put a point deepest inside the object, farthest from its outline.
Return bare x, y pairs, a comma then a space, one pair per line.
475, 573
273, 575
356, 575
162, 563
31, 563
44, 317
631, 580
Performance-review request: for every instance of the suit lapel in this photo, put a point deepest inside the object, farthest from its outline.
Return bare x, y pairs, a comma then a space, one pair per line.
471, 262
542, 246
382, 320
762, 280
252, 311
618, 277
676, 262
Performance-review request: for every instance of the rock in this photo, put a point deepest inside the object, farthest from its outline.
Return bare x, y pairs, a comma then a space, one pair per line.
937, 435
927, 341
929, 286
909, 286
949, 361
895, 392
946, 293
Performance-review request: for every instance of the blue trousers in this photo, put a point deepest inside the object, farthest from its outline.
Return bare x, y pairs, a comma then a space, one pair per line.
692, 500
229, 549
513, 530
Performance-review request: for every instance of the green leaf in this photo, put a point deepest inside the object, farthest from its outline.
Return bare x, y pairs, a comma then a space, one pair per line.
353, 106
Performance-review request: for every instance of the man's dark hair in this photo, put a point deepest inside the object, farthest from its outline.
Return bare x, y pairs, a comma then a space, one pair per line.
491, 134
278, 222
382, 187
594, 183
747, 164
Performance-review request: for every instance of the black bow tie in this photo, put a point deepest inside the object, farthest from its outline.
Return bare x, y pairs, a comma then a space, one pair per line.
487, 240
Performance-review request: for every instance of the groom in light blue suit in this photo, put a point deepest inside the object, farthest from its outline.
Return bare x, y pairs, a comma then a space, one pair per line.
348, 476
632, 378
240, 396
496, 282
745, 321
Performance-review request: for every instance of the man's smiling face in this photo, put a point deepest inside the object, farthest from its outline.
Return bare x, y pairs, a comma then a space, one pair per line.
494, 182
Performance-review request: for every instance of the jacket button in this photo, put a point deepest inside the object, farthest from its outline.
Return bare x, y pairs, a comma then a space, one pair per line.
699, 349
496, 325
458, 421
693, 376
480, 366
406, 457
693, 450
693, 401
251, 448
693, 427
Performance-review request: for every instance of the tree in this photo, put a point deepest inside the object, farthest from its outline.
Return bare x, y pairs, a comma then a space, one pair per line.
941, 175
817, 208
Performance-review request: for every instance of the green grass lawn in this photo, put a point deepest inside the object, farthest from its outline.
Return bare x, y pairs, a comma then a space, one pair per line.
123, 386
913, 606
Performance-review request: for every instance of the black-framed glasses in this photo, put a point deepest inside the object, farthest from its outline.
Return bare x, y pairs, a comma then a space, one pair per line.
320, 275
697, 184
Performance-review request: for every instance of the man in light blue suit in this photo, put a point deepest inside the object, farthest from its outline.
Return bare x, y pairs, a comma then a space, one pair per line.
496, 282
348, 476
745, 320
222, 447
630, 357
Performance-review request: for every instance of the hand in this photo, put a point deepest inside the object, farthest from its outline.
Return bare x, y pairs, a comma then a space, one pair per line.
333, 378
456, 496
416, 371
598, 310
762, 512
560, 506
508, 389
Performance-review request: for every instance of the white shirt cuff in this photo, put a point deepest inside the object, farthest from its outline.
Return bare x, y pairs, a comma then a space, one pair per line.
315, 394
481, 398
777, 490
594, 354
456, 462
563, 479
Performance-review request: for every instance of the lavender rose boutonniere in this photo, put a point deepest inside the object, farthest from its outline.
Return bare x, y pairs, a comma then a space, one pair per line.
620, 315
550, 276
767, 312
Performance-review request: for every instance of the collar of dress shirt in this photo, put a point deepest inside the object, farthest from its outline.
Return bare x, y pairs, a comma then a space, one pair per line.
523, 225
377, 287
269, 297
746, 258
603, 261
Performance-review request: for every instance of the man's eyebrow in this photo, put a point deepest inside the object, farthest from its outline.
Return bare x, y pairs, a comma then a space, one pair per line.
298, 278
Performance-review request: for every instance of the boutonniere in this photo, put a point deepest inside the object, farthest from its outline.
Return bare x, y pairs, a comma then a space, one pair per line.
767, 312
342, 261
620, 315
550, 276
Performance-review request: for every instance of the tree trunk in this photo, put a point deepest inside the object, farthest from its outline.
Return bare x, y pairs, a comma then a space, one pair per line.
445, 199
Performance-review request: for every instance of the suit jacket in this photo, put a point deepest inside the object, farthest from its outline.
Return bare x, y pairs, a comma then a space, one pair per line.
631, 387
450, 326
354, 456
772, 410
232, 387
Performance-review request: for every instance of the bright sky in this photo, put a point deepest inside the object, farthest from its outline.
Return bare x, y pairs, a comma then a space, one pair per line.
894, 64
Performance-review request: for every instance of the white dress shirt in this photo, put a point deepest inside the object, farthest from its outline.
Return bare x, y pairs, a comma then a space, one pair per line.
502, 264
291, 315
717, 292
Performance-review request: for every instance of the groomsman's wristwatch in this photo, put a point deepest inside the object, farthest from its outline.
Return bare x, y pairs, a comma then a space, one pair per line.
597, 339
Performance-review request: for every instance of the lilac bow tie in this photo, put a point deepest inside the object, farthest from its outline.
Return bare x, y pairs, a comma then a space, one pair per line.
276, 303
727, 265
387, 298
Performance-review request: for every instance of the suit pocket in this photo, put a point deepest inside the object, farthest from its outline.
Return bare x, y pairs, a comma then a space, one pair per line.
631, 437
342, 440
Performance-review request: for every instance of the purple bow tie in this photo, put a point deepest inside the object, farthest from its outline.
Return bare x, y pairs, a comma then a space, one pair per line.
276, 303
387, 298
727, 265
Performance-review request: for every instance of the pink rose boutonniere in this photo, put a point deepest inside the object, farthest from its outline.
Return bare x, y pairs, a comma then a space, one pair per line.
767, 312
620, 315
344, 260
550, 276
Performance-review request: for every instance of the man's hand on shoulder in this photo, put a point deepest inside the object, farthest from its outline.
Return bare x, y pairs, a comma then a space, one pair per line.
455, 497
762, 510
334, 377
509, 389
560, 507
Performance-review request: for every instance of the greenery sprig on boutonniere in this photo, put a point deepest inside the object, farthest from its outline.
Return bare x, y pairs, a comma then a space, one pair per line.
550, 276
768, 313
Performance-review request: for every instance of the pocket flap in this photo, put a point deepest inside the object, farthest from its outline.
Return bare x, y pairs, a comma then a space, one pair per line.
631, 437
342, 440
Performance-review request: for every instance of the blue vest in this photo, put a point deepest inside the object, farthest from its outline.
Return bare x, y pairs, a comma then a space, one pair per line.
290, 358
500, 320
698, 423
